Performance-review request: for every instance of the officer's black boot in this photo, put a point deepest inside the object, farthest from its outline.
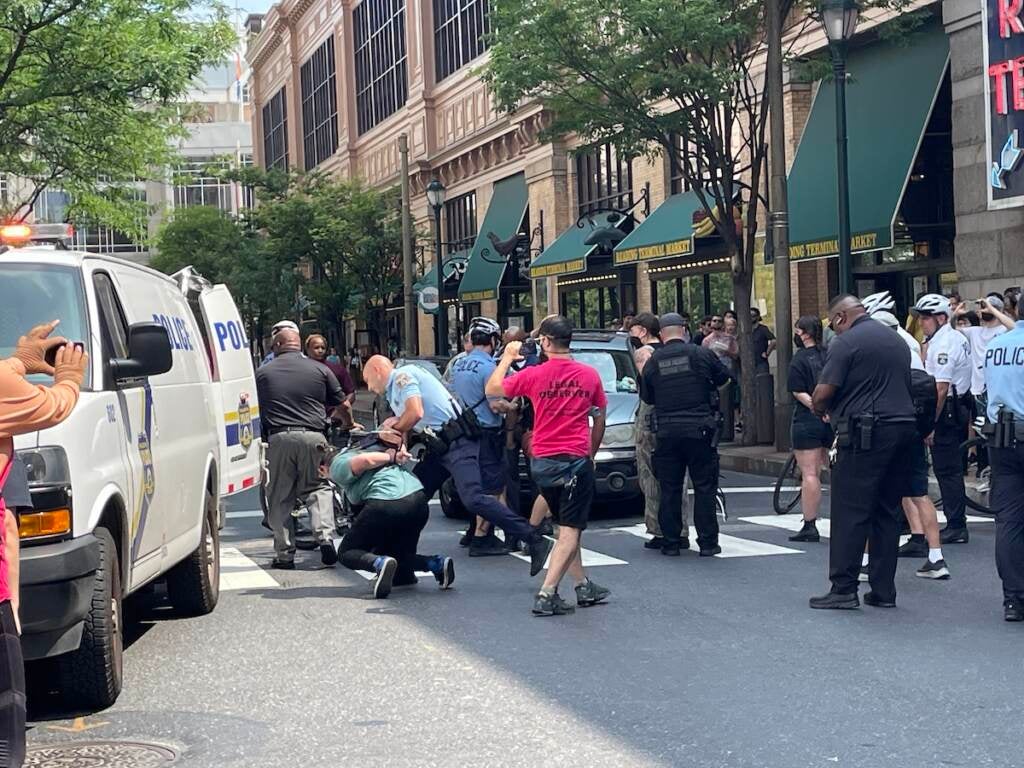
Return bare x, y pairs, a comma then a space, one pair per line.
1013, 609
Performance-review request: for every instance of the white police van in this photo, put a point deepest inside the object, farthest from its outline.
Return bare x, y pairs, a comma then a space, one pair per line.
128, 489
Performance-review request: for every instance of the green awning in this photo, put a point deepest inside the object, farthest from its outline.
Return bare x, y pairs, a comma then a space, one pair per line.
889, 98
665, 234
502, 220
568, 254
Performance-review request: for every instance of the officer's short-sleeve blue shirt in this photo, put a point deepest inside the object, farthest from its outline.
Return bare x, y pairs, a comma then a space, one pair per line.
412, 381
1004, 373
469, 379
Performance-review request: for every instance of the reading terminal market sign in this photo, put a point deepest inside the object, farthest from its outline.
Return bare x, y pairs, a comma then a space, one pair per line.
1004, 94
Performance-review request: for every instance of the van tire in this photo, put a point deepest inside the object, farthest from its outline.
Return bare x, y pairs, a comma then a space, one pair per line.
91, 677
194, 584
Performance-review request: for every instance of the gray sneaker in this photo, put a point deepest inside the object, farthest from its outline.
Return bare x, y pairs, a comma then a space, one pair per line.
588, 593
551, 605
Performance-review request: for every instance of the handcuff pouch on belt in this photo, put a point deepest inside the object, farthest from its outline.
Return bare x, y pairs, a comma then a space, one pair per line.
855, 432
1006, 432
691, 427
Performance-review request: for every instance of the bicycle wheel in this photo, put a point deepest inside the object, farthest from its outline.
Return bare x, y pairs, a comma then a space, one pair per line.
979, 503
720, 507
787, 488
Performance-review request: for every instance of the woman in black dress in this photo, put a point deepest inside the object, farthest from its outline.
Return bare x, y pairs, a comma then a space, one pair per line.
811, 436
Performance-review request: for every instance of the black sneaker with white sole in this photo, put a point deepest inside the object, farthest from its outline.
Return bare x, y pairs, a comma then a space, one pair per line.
445, 575
551, 605
864, 574
328, 553
936, 570
385, 575
915, 547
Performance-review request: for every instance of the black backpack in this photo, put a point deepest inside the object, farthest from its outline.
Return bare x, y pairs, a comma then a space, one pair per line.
926, 400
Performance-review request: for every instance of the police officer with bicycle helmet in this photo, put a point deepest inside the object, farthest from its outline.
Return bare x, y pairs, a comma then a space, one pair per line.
949, 361
1004, 377
469, 376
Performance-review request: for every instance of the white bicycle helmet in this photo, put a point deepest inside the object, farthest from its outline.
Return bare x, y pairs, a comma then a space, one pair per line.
485, 325
879, 302
932, 304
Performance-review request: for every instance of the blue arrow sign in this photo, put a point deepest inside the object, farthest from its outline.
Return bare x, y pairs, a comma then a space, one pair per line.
1009, 157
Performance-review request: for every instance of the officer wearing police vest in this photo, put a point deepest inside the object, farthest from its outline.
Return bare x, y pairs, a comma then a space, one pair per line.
949, 361
1004, 377
681, 382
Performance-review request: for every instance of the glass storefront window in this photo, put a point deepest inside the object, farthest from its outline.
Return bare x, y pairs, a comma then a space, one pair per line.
665, 300
592, 308
721, 291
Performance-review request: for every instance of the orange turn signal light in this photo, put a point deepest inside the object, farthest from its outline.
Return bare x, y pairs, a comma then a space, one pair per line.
52, 522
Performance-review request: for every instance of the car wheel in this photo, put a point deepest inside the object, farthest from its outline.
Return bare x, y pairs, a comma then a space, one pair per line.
91, 677
194, 584
451, 505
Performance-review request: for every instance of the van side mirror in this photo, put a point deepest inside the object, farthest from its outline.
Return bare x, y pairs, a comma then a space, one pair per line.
149, 353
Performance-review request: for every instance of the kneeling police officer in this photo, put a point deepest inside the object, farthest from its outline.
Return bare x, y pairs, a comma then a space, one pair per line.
451, 435
681, 381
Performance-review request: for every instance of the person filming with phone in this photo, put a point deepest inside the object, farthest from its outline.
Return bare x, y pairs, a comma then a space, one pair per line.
26, 407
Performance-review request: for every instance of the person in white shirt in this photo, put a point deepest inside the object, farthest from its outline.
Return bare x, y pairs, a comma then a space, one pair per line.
925, 539
979, 336
949, 361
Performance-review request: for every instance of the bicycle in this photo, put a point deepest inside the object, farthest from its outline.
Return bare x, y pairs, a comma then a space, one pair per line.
969, 450
786, 494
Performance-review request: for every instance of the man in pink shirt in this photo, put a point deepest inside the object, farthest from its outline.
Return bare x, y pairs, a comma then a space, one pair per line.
564, 394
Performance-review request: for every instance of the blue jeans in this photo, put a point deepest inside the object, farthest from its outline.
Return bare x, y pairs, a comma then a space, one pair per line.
462, 464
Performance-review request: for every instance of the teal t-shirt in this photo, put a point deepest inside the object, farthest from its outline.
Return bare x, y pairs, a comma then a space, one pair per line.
384, 483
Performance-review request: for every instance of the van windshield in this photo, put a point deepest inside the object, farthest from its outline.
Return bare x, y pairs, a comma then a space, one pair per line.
31, 294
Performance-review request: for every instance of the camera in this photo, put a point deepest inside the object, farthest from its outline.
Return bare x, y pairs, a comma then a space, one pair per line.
51, 353
529, 347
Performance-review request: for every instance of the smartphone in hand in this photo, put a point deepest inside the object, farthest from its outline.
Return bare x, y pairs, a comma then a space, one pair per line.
51, 354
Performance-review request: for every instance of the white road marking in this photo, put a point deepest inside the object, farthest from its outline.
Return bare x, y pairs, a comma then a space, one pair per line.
758, 489
731, 545
591, 559
245, 513
240, 572
371, 576
795, 522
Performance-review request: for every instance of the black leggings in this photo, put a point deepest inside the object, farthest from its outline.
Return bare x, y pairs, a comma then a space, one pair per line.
391, 528
12, 692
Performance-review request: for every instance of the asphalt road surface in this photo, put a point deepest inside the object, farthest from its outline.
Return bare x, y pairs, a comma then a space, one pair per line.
693, 662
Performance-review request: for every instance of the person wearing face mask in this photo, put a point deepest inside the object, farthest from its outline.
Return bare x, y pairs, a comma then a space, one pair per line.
811, 435
949, 360
865, 389
645, 330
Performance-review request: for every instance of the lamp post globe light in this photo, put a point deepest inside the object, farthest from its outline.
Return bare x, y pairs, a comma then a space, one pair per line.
435, 197
839, 20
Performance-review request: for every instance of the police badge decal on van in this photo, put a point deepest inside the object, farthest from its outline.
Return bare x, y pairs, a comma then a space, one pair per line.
244, 422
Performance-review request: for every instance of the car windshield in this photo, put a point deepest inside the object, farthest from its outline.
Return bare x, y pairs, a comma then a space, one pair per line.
31, 294
614, 366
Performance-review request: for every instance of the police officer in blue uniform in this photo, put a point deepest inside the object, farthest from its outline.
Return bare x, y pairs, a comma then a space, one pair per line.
469, 377
426, 409
681, 381
949, 361
1004, 377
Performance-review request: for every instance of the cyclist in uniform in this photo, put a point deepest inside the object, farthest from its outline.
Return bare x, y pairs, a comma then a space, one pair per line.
949, 361
1004, 376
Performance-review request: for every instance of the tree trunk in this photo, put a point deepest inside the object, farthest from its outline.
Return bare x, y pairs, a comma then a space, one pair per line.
741, 289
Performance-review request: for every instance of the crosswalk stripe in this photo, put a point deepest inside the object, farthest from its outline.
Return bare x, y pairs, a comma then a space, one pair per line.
795, 522
243, 514
591, 559
240, 572
732, 546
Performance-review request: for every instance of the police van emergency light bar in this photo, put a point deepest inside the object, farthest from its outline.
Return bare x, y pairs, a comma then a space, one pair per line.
18, 235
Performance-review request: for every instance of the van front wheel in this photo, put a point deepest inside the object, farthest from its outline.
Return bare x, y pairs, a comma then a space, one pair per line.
194, 584
91, 677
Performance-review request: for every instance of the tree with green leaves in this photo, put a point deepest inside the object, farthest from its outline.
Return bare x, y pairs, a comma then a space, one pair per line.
641, 73
90, 94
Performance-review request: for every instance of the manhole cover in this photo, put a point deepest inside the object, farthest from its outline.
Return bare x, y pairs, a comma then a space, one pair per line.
99, 754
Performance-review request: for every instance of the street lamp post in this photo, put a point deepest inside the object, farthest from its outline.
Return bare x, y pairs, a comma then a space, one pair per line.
839, 18
435, 196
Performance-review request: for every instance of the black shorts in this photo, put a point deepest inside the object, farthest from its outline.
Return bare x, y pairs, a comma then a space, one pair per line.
492, 461
570, 502
917, 470
808, 435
